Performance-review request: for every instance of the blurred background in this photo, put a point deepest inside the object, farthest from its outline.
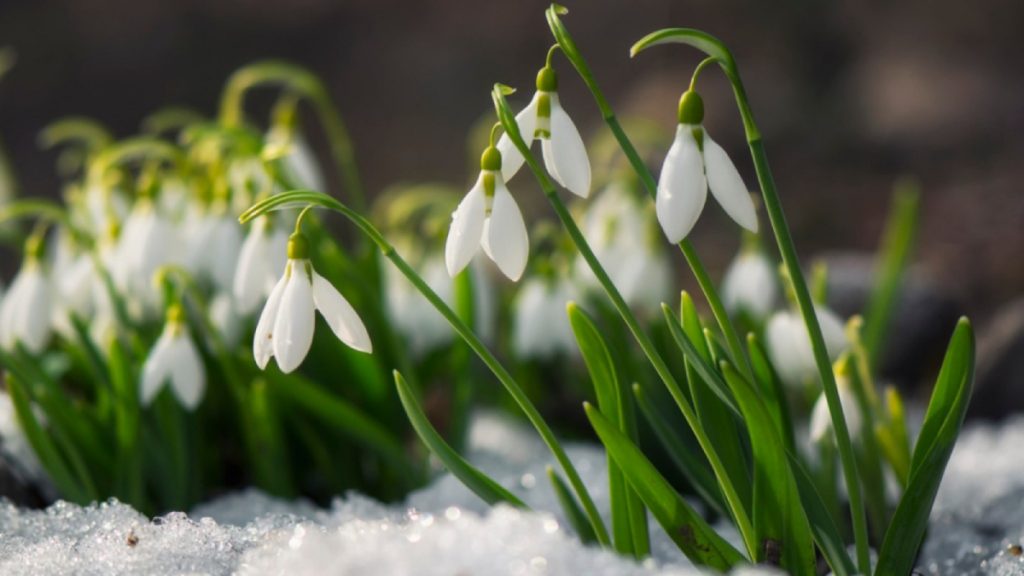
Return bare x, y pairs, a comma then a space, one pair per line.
849, 96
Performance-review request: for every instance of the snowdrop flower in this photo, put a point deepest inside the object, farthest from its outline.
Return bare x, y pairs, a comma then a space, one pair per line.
821, 419
789, 344
260, 258
542, 328
297, 157
695, 163
148, 242
26, 311
750, 284
565, 156
221, 250
175, 360
489, 217
623, 237
285, 329
226, 318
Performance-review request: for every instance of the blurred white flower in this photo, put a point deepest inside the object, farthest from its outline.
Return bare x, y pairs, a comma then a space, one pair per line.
623, 237
694, 163
147, 242
26, 311
750, 284
262, 255
541, 328
789, 344
249, 181
821, 419
488, 217
225, 317
174, 359
285, 329
565, 156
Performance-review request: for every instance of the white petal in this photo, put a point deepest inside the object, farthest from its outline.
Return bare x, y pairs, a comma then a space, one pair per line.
727, 185
223, 252
188, 379
340, 315
30, 317
564, 153
304, 168
821, 418
682, 189
293, 329
466, 230
507, 241
511, 159
789, 347
750, 285
157, 368
253, 267
263, 340
833, 332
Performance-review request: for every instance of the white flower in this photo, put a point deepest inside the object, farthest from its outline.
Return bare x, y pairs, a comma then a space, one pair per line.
565, 156
695, 163
542, 328
298, 160
750, 284
489, 217
147, 242
789, 344
623, 237
26, 311
222, 251
249, 181
821, 419
285, 329
262, 255
226, 318
423, 326
174, 359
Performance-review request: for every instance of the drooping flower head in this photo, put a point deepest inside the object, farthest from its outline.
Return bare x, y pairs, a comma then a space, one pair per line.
821, 429
750, 285
695, 163
565, 156
26, 312
541, 328
488, 217
789, 344
285, 329
262, 256
174, 360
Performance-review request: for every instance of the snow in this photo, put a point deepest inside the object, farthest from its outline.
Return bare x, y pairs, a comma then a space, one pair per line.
444, 530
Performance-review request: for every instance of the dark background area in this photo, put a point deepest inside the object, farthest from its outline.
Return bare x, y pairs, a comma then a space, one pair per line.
849, 96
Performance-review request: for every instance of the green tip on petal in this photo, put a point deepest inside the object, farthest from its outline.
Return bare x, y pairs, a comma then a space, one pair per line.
691, 108
298, 246
490, 159
504, 89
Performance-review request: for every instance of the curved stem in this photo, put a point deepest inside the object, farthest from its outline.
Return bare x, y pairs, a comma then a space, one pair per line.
460, 327
581, 244
308, 85
707, 286
773, 205
700, 68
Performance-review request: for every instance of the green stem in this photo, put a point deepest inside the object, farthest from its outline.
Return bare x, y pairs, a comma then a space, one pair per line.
308, 85
707, 286
735, 503
460, 327
714, 47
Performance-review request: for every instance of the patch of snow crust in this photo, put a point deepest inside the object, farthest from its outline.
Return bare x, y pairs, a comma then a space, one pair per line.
444, 530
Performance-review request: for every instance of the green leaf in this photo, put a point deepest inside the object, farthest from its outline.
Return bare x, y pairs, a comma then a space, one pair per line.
712, 412
693, 466
823, 524
41, 443
481, 484
780, 523
941, 427
701, 544
897, 243
772, 390
711, 377
610, 399
577, 518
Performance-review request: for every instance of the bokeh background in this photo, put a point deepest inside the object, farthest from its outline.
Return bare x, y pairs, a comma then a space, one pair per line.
849, 95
